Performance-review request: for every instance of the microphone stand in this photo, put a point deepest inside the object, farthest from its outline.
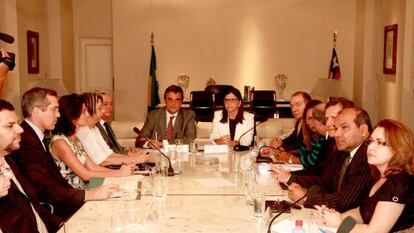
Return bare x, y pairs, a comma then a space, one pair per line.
283, 211
171, 171
239, 147
260, 158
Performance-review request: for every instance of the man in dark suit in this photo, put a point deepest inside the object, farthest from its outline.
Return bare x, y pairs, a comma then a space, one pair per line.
41, 110
105, 128
182, 121
347, 179
298, 102
20, 210
332, 109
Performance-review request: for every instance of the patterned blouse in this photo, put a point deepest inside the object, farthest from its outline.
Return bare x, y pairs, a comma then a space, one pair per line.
66, 172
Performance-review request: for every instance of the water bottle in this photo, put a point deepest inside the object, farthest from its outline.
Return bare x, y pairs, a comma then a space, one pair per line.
298, 227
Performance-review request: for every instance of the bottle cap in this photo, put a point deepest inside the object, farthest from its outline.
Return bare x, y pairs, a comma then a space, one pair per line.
298, 223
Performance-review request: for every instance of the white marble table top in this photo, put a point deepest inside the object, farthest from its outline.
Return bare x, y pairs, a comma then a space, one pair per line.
172, 214
189, 206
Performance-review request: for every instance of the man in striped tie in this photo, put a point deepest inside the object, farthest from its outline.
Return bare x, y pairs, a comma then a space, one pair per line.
170, 122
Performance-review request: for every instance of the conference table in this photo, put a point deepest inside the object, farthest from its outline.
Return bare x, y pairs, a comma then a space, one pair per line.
206, 197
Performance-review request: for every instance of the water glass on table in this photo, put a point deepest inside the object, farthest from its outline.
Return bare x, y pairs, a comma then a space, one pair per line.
193, 147
235, 158
259, 200
159, 184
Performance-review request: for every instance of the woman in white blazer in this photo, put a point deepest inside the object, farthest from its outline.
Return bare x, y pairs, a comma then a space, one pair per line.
231, 122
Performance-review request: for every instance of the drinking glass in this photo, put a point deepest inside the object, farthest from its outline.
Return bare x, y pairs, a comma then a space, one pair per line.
259, 200
160, 177
235, 162
193, 147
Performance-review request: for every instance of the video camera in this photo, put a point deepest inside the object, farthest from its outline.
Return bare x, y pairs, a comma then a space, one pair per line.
9, 61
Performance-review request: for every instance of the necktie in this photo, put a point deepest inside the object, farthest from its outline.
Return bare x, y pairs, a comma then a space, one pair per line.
343, 171
170, 129
46, 142
111, 136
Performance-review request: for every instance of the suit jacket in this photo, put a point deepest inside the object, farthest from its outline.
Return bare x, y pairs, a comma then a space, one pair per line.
356, 183
222, 129
184, 126
114, 145
295, 139
38, 167
16, 214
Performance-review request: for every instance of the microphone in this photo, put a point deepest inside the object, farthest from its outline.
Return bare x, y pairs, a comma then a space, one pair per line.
347, 225
239, 147
6, 38
171, 171
260, 158
311, 191
287, 207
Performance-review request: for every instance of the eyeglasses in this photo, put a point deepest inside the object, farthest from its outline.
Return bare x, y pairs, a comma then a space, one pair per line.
377, 142
231, 101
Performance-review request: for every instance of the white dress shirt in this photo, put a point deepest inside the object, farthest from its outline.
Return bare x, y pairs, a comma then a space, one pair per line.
38, 132
94, 144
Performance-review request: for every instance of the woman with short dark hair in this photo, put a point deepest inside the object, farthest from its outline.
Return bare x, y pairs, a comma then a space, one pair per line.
231, 122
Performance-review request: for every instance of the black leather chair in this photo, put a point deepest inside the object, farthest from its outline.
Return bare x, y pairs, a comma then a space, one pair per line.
219, 92
202, 103
263, 104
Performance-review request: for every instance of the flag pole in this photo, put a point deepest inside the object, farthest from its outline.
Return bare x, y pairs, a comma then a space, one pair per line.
152, 38
335, 37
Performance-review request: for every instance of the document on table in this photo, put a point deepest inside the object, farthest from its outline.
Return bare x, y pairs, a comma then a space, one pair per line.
292, 167
214, 182
127, 183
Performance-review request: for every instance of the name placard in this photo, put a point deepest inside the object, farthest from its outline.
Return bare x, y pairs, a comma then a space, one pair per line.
216, 149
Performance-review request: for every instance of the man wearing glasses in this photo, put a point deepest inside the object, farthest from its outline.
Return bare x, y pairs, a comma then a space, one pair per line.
170, 122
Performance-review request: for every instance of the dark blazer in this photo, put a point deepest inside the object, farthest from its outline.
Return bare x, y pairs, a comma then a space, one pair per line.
356, 183
40, 169
184, 127
112, 143
16, 214
295, 139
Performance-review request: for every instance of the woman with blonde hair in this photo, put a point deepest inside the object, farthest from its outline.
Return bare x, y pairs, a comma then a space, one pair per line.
389, 206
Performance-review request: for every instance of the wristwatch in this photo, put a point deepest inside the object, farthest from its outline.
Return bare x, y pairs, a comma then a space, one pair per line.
290, 160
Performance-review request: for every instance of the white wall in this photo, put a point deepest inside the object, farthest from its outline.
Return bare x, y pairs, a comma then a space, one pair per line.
238, 42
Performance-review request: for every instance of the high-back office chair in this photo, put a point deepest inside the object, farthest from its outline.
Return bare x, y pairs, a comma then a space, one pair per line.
263, 104
202, 103
219, 92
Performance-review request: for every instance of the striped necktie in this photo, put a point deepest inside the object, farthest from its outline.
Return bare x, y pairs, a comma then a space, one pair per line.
170, 129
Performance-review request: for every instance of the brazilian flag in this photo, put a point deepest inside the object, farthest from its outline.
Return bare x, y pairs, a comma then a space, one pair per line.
153, 98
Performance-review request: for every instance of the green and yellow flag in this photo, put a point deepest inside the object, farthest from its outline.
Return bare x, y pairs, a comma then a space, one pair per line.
153, 98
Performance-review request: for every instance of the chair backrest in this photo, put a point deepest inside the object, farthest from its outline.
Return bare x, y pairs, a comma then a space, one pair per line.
201, 99
219, 92
263, 104
202, 103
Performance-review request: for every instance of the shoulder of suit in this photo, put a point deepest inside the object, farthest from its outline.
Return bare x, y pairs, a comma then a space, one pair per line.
248, 115
218, 113
187, 112
156, 112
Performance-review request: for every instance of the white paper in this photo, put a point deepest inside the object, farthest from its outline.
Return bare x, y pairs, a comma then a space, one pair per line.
292, 167
214, 182
127, 183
